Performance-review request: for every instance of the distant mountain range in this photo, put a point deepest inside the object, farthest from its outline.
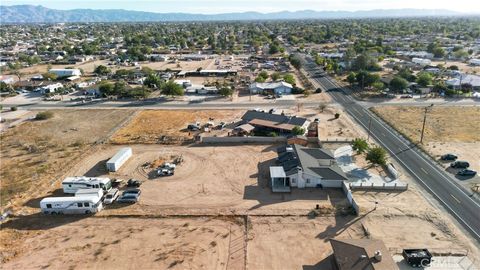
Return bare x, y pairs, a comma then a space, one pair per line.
40, 14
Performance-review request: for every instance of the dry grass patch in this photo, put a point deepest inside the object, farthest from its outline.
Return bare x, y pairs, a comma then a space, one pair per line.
444, 124
36, 153
162, 126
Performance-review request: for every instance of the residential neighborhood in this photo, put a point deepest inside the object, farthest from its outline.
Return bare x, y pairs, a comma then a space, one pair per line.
139, 137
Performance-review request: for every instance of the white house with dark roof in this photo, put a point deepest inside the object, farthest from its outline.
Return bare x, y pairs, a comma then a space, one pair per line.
302, 167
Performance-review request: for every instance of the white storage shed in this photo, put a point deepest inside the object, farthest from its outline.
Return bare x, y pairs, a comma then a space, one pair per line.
119, 159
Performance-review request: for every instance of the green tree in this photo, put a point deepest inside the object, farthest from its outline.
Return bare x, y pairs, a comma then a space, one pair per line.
296, 130
49, 76
120, 88
152, 81
424, 79
378, 86
275, 76
263, 74
438, 52
5, 88
288, 78
101, 70
398, 83
352, 78
171, 88
106, 88
273, 48
225, 91
377, 155
360, 145
295, 61
260, 79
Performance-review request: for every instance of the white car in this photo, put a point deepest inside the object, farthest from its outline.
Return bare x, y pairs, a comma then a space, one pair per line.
169, 166
111, 196
165, 172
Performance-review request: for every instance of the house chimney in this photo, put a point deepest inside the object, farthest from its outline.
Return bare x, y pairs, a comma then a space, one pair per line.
378, 256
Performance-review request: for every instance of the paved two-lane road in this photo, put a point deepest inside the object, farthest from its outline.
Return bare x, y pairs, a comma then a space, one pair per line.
449, 194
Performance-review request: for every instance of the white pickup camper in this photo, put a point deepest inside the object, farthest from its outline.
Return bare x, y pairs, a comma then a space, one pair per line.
71, 205
72, 184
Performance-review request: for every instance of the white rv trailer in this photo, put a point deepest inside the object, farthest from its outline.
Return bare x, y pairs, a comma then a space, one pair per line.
89, 192
71, 205
72, 184
119, 159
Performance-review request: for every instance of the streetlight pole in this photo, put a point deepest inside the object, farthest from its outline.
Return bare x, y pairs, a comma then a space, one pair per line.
424, 121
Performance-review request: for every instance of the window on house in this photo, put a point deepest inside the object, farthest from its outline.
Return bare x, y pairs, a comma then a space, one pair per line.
308, 181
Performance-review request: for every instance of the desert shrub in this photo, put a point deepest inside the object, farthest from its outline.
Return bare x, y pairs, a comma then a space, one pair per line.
44, 115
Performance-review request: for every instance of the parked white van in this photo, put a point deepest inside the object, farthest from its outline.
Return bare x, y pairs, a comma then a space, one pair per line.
71, 205
72, 184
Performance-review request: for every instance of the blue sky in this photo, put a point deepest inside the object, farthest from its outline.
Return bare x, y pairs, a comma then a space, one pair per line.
221, 6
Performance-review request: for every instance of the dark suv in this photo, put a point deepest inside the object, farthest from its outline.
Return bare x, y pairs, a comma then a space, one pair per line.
460, 164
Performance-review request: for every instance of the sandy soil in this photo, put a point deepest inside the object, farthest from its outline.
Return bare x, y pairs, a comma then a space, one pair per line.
87, 67
37, 152
238, 186
443, 123
331, 129
463, 67
168, 126
126, 243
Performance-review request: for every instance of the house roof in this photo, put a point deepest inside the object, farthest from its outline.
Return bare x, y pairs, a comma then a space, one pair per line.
270, 85
474, 80
314, 161
277, 172
271, 124
359, 254
245, 127
276, 119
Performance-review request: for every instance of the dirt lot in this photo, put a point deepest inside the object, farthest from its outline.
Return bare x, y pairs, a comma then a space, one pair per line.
87, 67
35, 153
237, 186
448, 129
168, 126
174, 243
331, 129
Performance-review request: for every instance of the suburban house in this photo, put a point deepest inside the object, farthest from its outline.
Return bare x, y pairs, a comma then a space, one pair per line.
65, 72
361, 254
271, 88
473, 80
301, 167
268, 122
49, 88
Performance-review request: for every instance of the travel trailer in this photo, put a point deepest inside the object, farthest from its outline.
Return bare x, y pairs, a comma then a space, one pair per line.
72, 184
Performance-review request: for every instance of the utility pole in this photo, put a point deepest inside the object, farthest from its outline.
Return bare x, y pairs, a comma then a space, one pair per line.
424, 121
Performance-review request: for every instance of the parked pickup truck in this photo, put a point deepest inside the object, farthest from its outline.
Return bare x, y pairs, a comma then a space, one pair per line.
417, 257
